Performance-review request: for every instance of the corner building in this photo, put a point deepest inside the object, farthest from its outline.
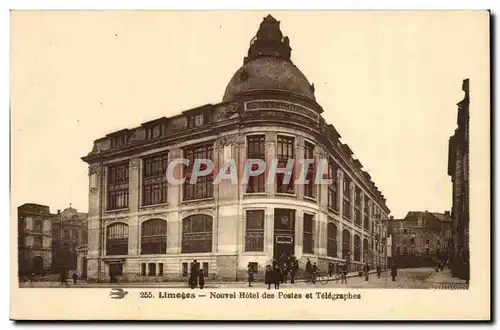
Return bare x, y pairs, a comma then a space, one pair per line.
143, 228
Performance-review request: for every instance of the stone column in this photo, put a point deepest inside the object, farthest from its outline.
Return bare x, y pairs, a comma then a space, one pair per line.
174, 198
299, 234
96, 203
269, 231
271, 140
340, 197
297, 167
134, 227
352, 201
340, 242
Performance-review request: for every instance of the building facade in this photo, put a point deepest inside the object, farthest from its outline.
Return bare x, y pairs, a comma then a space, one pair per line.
458, 170
34, 239
69, 232
142, 227
421, 238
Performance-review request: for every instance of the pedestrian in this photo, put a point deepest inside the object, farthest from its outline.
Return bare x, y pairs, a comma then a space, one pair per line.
268, 276
330, 270
379, 270
277, 277
438, 265
293, 270
201, 278
366, 269
314, 273
250, 275
308, 266
75, 277
193, 276
442, 265
394, 271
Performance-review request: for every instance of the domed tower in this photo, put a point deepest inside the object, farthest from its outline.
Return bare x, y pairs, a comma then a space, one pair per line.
268, 66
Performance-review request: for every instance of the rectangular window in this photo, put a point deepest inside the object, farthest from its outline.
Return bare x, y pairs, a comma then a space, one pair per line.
196, 120
285, 151
184, 269
256, 149
143, 269
203, 188
206, 270
308, 233
160, 269
118, 186
309, 187
152, 269
74, 235
426, 241
346, 206
254, 234
155, 131
357, 206
38, 242
154, 180
118, 140
333, 199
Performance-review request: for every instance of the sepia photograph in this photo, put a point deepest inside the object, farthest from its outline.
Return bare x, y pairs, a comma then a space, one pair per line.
211, 162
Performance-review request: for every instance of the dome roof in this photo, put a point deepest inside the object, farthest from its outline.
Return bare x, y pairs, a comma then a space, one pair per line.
268, 65
268, 73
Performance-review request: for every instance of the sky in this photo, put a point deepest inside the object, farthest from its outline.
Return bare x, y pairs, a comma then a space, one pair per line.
388, 81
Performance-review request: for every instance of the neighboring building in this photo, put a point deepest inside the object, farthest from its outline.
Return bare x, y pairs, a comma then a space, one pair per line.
34, 239
69, 232
458, 169
142, 227
421, 238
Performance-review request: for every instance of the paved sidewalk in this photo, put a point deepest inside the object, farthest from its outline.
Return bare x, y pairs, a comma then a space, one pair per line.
444, 277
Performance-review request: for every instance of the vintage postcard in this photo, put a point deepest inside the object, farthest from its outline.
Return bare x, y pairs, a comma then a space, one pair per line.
250, 165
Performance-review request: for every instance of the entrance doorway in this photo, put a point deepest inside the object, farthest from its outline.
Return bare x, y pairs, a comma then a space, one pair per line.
84, 268
38, 265
284, 234
114, 271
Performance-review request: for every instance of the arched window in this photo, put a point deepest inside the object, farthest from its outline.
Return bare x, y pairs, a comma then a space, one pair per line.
154, 237
357, 248
197, 234
331, 249
346, 243
117, 239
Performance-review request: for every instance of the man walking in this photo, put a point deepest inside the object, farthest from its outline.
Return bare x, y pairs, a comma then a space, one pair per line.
366, 269
394, 271
193, 276
379, 270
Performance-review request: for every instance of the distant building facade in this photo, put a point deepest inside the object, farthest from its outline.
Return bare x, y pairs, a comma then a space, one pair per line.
142, 227
421, 238
34, 239
458, 169
69, 233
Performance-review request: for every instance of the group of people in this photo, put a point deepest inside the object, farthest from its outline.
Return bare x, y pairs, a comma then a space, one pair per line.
64, 277
196, 275
279, 271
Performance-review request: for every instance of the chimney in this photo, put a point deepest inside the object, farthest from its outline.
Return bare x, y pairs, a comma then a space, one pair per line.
392, 217
447, 213
58, 211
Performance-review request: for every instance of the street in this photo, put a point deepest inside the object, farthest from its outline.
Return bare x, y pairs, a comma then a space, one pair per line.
416, 278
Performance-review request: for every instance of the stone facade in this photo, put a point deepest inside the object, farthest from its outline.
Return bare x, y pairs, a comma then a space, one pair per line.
458, 170
258, 108
420, 238
34, 239
69, 231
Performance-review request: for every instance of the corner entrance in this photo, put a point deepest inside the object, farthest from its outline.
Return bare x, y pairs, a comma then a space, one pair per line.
284, 234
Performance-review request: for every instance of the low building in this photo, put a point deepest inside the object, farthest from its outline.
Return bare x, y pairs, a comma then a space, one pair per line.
34, 239
421, 238
458, 170
69, 232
